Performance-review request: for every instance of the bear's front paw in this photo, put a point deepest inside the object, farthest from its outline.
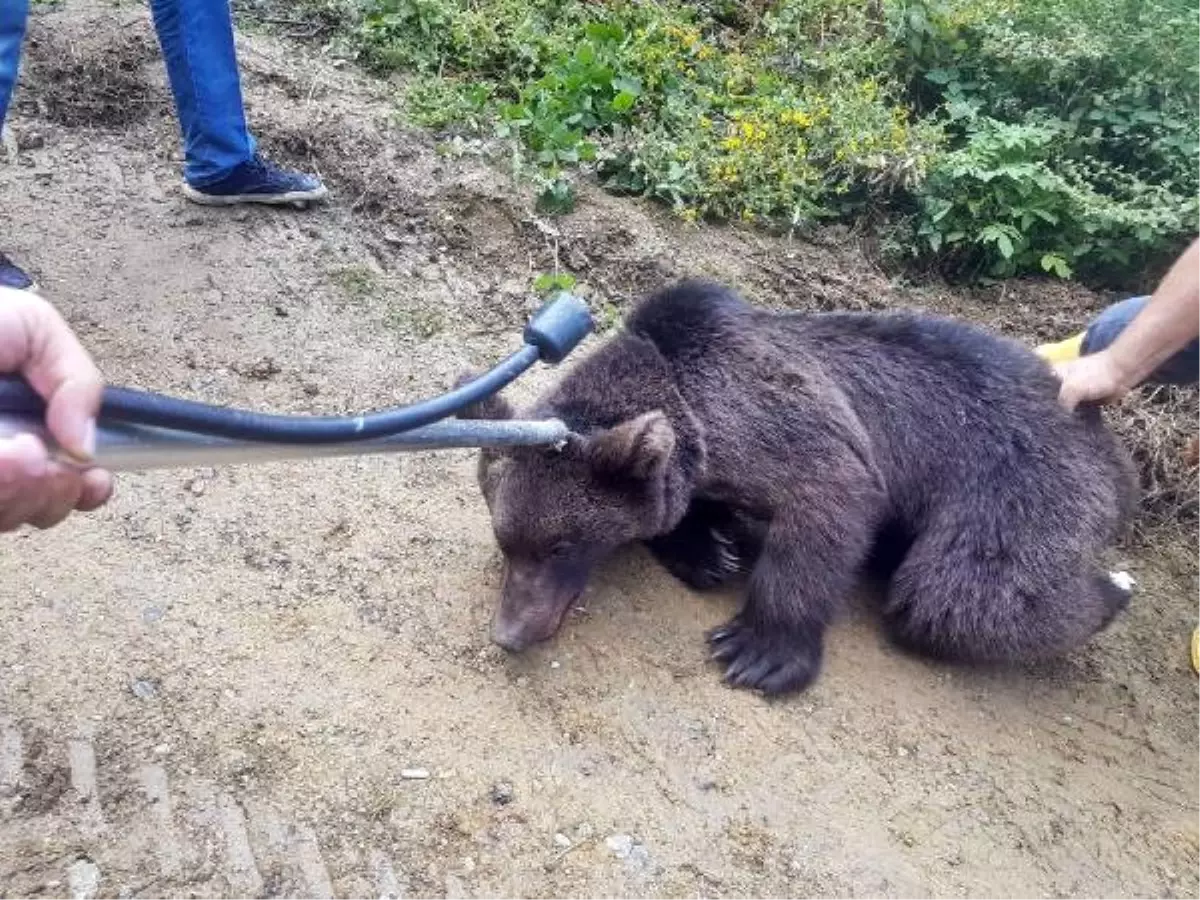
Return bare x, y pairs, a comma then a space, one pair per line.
714, 562
772, 663
702, 560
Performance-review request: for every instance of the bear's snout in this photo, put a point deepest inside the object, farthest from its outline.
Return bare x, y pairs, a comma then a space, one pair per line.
517, 626
533, 602
513, 639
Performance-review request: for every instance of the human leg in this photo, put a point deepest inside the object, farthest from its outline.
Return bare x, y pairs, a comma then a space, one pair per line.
13, 15
222, 163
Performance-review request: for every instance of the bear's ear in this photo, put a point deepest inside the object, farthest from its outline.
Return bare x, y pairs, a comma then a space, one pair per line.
638, 448
493, 407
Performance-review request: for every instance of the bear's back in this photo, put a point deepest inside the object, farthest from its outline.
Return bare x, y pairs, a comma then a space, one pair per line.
943, 402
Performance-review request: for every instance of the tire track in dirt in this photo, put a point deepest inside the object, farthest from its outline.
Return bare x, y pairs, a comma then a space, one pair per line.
11, 757
200, 835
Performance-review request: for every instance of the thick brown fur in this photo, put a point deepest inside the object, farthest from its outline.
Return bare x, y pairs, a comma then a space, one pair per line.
796, 449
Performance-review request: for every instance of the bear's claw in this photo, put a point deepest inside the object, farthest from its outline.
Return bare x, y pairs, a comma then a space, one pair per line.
774, 664
728, 560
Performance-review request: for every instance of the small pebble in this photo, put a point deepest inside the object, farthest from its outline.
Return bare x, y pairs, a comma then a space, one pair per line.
556, 664
144, 688
83, 878
414, 774
502, 793
632, 852
162, 749
561, 840
620, 844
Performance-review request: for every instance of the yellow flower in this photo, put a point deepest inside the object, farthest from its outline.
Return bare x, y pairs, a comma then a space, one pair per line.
705, 122
795, 117
747, 215
732, 143
689, 214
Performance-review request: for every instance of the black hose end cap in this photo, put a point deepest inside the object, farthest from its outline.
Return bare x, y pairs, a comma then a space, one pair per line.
558, 327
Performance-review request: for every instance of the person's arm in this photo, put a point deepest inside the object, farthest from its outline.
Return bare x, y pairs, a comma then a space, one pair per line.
1168, 323
37, 343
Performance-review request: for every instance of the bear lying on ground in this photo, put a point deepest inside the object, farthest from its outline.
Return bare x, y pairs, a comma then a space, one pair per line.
796, 448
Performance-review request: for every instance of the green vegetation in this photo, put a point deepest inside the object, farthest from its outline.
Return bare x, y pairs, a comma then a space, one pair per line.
553, 282
989, 138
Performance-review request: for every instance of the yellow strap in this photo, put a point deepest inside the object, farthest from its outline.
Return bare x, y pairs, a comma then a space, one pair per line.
1063, 351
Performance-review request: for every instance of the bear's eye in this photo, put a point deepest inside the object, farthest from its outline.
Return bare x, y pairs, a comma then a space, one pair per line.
561, 549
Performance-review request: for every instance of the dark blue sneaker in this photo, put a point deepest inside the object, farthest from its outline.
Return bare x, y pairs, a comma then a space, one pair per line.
13, 276
258, 181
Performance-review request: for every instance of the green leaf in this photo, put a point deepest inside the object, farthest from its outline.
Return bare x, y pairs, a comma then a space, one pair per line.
624, 101
603, 32
557, 197
628, 85
1052, 262
548, 282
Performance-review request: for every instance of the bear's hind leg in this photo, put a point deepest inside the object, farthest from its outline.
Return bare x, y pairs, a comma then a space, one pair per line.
712, 544
950, 602
809, 562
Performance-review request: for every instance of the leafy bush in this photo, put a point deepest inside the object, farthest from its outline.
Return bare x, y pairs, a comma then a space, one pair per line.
1072, 126
1006, 136
1013, 199
666, 100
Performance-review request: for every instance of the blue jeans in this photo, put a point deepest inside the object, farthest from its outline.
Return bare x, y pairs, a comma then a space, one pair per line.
12, 35
1182, 368
196, 37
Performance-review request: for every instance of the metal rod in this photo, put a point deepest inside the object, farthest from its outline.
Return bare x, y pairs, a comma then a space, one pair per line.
132, 448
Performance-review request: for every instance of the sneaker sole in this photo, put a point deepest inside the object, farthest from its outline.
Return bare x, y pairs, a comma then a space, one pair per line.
293, 198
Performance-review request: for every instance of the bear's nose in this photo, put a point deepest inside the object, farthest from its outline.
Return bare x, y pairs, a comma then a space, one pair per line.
509, 636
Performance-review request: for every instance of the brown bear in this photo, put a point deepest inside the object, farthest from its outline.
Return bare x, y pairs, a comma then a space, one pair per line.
797, 448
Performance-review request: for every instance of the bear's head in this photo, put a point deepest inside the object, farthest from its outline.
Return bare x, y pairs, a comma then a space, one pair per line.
558, 512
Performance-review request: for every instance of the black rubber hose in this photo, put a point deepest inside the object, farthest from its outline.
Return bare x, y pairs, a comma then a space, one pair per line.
146, 408
550, 335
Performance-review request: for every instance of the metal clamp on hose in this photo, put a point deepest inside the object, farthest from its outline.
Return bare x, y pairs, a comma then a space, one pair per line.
140, 429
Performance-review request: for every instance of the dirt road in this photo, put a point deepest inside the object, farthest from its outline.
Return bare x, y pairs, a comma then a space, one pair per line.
276, 681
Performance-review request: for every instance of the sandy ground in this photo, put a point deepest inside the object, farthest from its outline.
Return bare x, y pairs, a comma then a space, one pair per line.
217, 685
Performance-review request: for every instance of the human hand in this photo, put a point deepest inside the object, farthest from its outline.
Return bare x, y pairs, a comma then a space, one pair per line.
1095, 378
38, 344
